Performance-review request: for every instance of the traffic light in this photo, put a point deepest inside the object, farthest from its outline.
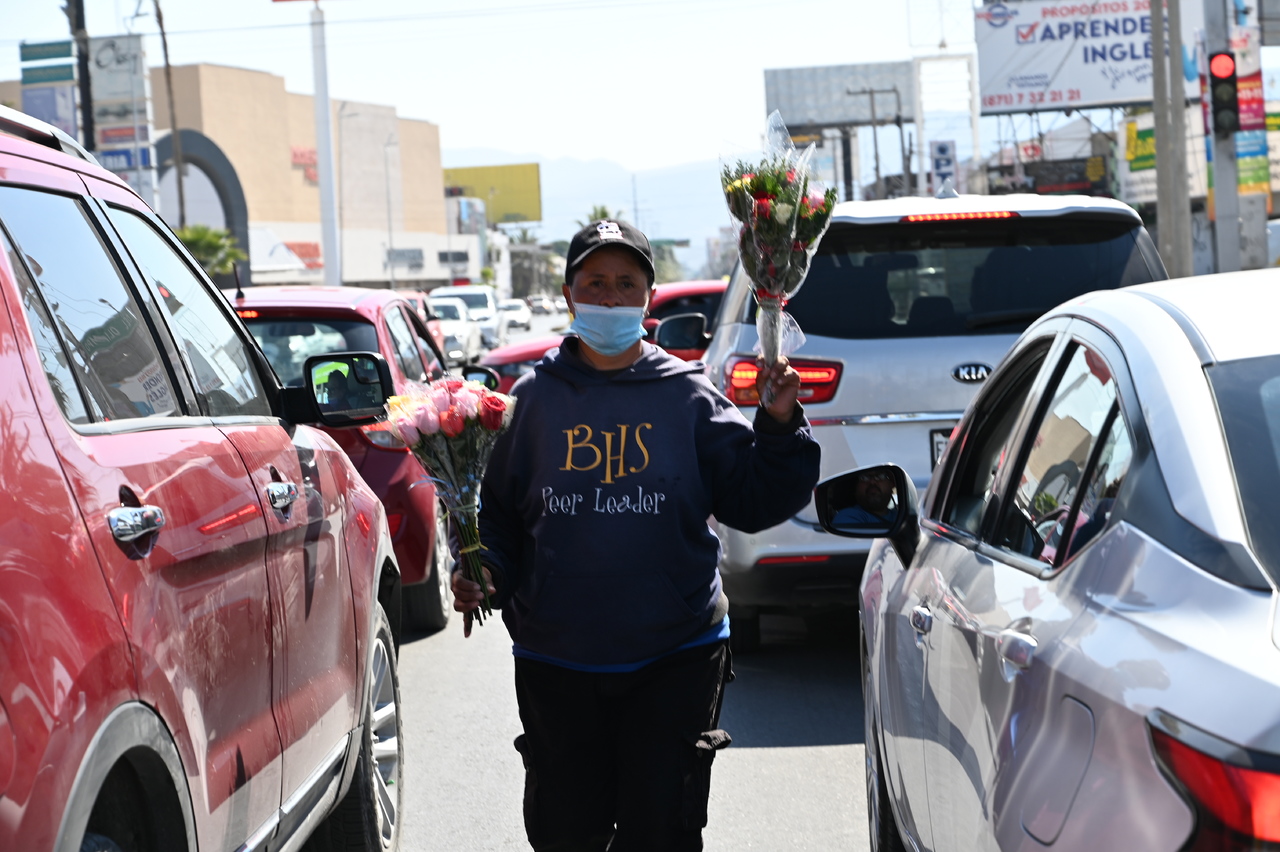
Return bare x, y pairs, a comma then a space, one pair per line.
1222, 94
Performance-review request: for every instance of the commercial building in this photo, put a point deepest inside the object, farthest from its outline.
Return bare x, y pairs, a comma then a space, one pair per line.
250, 150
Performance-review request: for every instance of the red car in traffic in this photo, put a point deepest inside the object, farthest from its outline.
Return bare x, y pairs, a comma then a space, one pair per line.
678, 297
291, 323
198, 593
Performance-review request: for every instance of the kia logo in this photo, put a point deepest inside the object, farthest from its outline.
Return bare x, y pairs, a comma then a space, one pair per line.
971, 374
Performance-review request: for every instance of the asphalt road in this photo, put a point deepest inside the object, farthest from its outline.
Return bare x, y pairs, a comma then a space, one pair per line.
792, 780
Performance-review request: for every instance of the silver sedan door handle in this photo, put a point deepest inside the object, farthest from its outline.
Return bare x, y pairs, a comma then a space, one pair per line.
1016, 652
921, 623
130, 523
281, 494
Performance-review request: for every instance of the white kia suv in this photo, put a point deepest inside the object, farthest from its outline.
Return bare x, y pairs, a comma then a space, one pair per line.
908, 306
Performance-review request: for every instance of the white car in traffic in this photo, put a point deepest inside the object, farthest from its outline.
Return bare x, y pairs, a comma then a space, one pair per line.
462, 337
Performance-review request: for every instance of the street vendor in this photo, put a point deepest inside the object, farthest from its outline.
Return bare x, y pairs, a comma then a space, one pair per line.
593, 521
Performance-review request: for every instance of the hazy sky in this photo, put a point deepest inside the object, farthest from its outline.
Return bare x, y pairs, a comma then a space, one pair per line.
645, 83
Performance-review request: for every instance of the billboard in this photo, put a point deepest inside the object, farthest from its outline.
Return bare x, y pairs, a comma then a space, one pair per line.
1057, 54
510, 193
122, 110
832, 95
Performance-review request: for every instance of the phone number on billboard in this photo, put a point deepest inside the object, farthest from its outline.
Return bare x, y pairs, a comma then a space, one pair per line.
1015, 99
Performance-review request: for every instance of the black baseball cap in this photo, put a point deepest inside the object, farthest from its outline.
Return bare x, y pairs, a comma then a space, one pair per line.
609, 232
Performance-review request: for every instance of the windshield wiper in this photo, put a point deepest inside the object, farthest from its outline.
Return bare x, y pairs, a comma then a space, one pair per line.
1002, 317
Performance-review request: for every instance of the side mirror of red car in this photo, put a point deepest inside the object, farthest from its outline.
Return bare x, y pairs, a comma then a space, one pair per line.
341, 389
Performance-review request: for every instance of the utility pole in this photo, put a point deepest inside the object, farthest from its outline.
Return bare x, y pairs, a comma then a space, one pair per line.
331, 246
75, 16
1181, 191
1173, 199
173, 119
1226, 199
386, 169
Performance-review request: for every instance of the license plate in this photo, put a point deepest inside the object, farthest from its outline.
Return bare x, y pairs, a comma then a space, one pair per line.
938, 439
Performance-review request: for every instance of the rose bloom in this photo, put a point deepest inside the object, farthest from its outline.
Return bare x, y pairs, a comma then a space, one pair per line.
427, 420
405, 430
492, 412
452, 422
469, 401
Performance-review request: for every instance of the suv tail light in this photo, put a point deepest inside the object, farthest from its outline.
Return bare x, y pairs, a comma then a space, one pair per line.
1235, 793
818, 381
381, 436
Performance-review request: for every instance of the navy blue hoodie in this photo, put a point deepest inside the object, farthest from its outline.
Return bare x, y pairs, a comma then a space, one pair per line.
595, 504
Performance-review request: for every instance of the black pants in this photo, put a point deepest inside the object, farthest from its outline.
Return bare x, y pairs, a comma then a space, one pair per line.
621, 761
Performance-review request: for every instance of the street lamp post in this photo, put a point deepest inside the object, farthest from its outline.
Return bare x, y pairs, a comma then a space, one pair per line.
386, 168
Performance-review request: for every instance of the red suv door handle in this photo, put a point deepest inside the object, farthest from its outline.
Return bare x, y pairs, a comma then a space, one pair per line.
130, 523
281, 494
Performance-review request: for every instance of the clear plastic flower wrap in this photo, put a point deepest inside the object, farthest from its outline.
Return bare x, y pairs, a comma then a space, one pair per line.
451, 427
783, 212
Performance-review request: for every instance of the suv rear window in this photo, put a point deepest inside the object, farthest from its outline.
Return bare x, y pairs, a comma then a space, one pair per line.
935, 279
289, 341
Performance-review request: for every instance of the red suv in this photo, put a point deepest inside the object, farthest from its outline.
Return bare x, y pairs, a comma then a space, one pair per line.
194, 583
512, 361
293, 323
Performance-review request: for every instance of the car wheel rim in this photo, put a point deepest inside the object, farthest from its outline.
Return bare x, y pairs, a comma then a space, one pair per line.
384, 733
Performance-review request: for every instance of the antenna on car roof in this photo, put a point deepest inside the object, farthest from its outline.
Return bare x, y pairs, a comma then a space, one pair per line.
947, 190
235, 268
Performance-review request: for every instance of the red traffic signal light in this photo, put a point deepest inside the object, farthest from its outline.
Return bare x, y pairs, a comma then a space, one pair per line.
1223, 96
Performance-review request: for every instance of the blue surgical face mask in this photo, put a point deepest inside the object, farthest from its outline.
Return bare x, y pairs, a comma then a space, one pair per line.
609, 331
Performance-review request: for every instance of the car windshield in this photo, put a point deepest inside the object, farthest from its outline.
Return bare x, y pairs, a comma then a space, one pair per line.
289, 342
473, 301
445, 312
1248, 394
960, 277
511, 305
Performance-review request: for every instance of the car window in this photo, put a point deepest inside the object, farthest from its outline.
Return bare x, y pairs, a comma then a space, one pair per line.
53, 358
445, 311
426, 351
104, 333
219, 358
1081, 439
1248, 395
288, 341
987, 276
406, 346
475, 301
703, 303
989, 446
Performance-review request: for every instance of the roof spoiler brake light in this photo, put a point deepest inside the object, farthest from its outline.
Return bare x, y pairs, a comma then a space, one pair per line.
953, 217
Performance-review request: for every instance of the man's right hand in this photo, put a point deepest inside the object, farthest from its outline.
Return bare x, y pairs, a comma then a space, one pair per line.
467, 596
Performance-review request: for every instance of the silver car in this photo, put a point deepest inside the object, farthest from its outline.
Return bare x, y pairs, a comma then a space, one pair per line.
1071, 640
463, 342
908, 304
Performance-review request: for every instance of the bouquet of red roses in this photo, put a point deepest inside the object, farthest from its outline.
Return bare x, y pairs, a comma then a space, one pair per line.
451, 426
783, 212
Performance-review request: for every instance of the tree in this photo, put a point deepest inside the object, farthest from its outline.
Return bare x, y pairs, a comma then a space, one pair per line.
601, 211
666, 267
214, 249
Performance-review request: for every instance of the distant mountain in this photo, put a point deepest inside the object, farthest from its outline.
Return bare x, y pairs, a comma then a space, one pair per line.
680, 202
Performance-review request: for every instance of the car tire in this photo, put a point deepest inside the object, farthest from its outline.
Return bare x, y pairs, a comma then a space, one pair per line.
427, 605
99, 843
744, 629
368, 817
881, 827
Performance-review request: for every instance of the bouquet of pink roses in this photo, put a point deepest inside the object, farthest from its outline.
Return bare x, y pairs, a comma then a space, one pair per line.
784, 211
451, 426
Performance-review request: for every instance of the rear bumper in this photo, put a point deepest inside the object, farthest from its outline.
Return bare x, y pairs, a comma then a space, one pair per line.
791, 565
394, 477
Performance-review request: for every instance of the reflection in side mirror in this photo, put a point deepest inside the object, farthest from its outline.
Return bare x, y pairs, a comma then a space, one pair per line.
871, 502
348, 388
683, 331
487, 376
863, 503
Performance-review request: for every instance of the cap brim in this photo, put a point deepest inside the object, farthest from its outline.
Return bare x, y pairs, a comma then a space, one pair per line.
644, 261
